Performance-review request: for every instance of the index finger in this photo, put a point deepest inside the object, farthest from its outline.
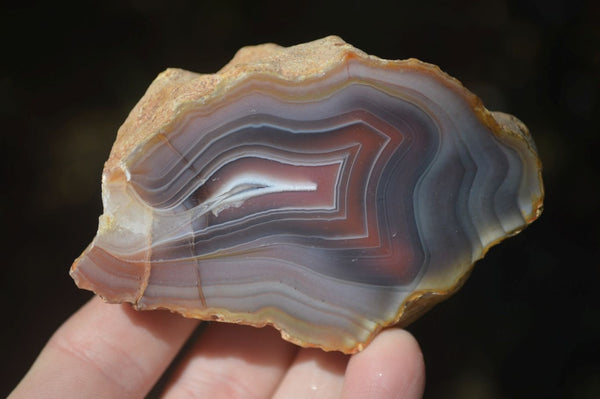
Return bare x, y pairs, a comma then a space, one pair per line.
108, 350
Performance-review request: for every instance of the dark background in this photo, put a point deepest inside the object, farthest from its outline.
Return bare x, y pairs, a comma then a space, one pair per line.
526, 324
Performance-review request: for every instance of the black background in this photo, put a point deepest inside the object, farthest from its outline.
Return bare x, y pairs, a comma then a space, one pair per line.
527, 322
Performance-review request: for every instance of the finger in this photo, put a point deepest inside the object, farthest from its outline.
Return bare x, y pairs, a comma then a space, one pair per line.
106, 351
314, 374
391, 366
232, 361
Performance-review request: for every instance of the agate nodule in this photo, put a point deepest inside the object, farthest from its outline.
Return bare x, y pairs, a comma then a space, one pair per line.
313, 188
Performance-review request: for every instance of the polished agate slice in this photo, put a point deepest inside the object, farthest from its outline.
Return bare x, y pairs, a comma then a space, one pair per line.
313, 188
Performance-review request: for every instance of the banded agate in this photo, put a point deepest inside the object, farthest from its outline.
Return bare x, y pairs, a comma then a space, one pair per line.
313, 188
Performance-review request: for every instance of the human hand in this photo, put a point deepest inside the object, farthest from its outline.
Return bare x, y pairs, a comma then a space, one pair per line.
113, 351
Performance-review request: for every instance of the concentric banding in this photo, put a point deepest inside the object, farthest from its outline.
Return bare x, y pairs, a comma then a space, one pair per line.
318, 206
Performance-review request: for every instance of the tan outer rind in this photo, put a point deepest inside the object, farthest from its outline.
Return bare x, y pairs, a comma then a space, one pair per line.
175, 90
259, 320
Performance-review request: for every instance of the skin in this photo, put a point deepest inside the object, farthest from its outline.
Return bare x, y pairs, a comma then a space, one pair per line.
112, 351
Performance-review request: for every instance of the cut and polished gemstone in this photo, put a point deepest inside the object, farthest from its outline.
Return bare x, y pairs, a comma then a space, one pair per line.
313, 188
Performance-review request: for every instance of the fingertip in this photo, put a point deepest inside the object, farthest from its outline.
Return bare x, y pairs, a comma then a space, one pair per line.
391, 366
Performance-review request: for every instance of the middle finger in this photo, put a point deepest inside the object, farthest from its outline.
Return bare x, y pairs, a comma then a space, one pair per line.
230, 361
314, 374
